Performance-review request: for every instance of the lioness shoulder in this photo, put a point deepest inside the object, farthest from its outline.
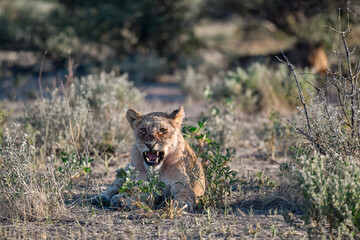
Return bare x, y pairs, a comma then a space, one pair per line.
159, 145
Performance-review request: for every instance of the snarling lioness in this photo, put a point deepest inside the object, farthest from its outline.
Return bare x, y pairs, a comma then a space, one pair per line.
161, 146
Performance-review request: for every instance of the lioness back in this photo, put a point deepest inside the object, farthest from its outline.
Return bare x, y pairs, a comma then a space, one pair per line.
160, 145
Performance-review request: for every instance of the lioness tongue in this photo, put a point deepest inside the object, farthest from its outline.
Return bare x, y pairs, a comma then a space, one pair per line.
152, 156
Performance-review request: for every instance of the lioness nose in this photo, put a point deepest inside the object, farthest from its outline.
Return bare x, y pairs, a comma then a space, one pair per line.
150, 145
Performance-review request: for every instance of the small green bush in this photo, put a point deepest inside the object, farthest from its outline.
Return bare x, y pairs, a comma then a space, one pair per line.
330, 187
224, 125
279, 135
4, 115
194, 82
140, 191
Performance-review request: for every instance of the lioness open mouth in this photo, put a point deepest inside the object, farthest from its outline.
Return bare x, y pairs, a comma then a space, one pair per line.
153, 158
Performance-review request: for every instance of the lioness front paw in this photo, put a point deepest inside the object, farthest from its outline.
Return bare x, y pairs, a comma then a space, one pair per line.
101, 199
186, 206
122, 201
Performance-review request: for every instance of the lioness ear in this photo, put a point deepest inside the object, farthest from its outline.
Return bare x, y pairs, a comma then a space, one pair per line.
133, 116
177, 117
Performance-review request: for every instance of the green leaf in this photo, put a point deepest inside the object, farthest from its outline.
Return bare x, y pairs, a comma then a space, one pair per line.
64, 159
201, 136
121, 173
192, 129
162, 185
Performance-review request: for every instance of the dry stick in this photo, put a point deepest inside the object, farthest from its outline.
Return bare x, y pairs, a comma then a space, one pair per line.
353, 87
341, 98
40, 75
308, 136
356, 76
288, 63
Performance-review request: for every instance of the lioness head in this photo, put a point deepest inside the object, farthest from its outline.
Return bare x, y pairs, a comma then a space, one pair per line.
156, 134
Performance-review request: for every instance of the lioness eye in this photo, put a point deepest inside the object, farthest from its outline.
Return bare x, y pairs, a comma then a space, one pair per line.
143, 130
163, 130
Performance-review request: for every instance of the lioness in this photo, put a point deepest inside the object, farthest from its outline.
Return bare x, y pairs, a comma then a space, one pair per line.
161, 146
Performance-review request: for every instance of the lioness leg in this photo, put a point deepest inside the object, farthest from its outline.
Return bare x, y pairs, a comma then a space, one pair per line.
105, 197
184, 196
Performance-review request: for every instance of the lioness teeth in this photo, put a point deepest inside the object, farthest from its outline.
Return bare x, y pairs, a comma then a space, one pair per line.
153, 157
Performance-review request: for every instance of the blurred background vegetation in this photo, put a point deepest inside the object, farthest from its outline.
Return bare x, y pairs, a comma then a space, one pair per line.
157, 40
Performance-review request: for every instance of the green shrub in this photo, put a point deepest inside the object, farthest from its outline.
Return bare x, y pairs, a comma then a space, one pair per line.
23, 22
123, 26
293, 19
259, 88
330, 187
215, 159
73, 164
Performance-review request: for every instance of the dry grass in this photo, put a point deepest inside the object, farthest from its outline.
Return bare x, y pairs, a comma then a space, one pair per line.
26, 193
